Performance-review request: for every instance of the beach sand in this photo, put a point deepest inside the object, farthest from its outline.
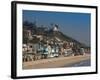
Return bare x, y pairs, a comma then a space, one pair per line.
54, 62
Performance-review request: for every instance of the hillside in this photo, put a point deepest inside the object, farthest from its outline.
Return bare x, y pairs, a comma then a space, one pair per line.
49, 33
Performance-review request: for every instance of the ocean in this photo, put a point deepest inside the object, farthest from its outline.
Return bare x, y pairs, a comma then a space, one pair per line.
80, 64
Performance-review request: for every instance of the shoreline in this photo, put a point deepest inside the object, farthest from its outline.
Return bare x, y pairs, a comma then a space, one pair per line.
79, 64
54, 62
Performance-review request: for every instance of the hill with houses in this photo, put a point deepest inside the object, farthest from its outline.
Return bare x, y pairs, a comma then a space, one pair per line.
34, 34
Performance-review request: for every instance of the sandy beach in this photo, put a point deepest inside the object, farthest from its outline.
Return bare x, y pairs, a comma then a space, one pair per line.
54, 62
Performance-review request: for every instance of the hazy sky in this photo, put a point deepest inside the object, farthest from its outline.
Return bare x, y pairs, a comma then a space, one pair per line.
75, 25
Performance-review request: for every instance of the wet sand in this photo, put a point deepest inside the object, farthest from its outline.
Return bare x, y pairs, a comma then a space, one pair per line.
80, 64
54, 62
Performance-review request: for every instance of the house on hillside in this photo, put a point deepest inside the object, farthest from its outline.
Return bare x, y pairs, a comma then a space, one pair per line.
27, 34
55, 28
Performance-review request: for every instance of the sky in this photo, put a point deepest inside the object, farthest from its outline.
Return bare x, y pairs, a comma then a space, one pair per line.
75, 25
